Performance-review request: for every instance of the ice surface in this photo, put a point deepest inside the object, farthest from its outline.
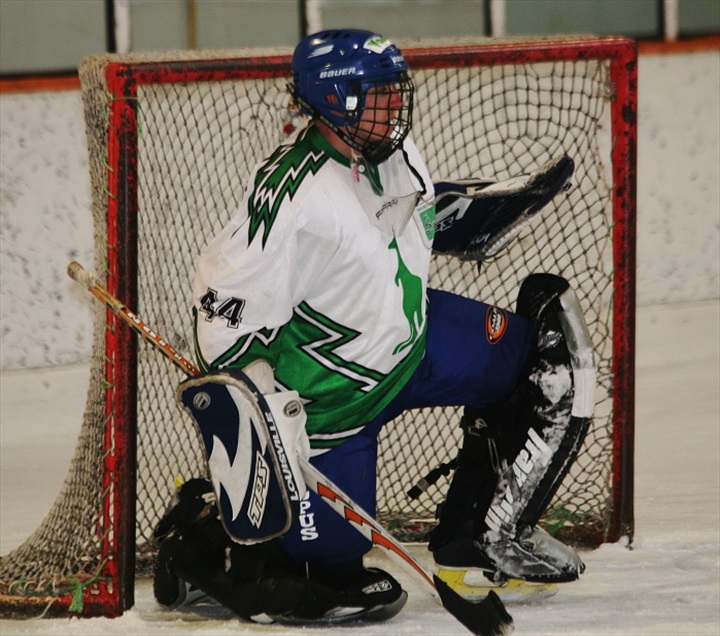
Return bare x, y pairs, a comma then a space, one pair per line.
668, 584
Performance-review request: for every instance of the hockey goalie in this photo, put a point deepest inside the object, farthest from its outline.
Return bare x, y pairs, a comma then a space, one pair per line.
314, 299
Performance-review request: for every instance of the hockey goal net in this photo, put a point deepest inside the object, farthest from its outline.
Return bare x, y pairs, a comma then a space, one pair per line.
172, 139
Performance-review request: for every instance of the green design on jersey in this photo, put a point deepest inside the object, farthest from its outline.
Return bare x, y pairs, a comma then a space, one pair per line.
279, 177
412, 289
321, 337
339, 395
250, 347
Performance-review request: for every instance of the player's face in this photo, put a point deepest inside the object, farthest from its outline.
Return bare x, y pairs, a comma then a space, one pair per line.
382, 107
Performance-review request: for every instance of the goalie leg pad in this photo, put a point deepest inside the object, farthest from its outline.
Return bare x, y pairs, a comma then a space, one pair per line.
252, 454
538, 432
560, 393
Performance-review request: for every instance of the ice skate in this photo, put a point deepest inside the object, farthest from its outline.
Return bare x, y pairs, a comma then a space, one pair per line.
361, 596
523, 570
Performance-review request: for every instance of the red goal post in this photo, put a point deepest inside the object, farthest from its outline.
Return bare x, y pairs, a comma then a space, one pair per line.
172, 139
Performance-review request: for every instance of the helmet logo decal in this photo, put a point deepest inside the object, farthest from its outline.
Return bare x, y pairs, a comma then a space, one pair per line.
321, 50
338, 72
377, 44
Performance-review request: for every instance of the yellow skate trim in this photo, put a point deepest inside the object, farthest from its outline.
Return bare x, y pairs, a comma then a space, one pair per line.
514, 591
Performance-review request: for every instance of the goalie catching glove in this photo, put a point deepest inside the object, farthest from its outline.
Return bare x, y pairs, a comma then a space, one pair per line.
476, 218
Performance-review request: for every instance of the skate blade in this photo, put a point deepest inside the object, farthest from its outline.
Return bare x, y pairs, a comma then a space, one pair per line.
514, 591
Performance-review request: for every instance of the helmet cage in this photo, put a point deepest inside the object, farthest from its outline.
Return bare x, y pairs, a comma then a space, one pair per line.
377, 130
381, 131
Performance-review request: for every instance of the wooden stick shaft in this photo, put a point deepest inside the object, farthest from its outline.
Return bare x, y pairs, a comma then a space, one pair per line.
86, 278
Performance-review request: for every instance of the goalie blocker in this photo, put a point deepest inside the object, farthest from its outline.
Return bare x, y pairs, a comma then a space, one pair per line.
252, 442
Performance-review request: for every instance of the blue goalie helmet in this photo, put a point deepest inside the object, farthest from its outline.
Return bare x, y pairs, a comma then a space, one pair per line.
357, 84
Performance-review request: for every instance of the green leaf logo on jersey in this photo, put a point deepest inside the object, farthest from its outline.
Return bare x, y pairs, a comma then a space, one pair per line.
412, 290
280, 177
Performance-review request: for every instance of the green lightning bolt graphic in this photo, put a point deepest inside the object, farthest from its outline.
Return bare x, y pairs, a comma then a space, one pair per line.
279, 177
321, 337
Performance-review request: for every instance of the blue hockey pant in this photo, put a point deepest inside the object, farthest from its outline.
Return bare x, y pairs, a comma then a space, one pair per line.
469, 360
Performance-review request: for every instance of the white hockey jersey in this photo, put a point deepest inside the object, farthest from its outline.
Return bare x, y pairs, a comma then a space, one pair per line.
323, 272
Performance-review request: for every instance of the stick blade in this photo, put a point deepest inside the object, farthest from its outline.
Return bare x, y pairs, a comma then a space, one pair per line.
486, 618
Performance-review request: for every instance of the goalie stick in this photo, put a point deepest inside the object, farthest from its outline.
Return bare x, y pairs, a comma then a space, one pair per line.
485, 618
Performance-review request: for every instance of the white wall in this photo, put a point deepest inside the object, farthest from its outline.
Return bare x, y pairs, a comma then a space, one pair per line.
679, 178
45, 219
45, 222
